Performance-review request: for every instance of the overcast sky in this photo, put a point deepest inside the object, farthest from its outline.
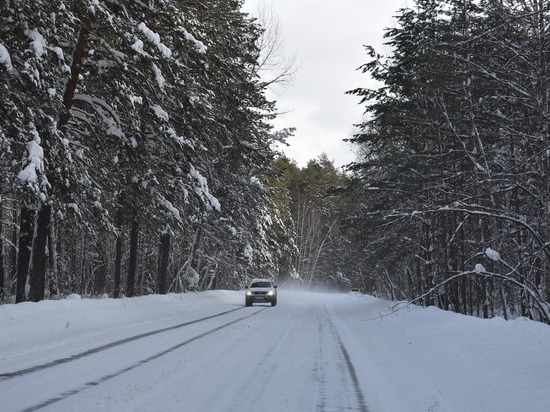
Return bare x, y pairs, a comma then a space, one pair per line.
327, 38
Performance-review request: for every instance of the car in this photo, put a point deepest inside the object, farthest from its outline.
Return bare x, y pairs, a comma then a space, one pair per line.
355, 291
261, 291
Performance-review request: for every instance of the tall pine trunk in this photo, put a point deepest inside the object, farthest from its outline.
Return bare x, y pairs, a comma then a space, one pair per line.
544, 47
118, 267
118, 257
132, 265
2, 274
39, 265
26, 229
163, 267
53, 268
13, 255
38, 239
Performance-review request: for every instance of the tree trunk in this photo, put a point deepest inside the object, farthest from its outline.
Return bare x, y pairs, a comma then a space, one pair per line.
70, 88
118, 256
26, 230
118, 267
163, 267
188, 267
52, 252
13, 256
38, 272
2, 274
544, 43
132, 265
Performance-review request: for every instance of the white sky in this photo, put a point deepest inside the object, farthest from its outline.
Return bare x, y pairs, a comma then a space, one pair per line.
327, 38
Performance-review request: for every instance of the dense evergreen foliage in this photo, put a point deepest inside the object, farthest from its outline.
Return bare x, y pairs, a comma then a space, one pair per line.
134, 144
454, 172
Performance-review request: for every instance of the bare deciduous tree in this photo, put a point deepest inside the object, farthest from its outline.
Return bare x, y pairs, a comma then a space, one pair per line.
274, 66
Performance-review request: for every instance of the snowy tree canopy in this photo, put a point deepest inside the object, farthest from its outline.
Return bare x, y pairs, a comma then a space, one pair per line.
139, 118
454, 158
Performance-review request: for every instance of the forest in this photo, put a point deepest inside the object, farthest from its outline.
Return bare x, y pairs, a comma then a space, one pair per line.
135, 147
454, 169
137, 156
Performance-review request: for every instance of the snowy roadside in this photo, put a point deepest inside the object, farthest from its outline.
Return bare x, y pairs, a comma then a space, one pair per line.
427, 359
50, 328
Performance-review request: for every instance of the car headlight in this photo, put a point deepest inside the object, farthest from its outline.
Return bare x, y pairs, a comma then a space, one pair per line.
249, 293
270, 293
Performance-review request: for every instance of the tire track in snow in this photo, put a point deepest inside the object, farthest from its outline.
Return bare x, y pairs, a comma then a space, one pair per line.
353, 374
105, 378
22, 372
348, 366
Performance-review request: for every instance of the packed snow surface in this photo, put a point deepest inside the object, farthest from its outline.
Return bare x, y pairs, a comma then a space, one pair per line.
312, 352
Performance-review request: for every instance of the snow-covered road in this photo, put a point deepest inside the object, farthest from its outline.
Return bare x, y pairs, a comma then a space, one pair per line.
312, 352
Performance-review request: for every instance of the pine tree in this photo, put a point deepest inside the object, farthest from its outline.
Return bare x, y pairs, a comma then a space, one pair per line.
149, 124
441, 170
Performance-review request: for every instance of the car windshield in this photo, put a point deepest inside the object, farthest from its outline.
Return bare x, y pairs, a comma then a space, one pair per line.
261, 285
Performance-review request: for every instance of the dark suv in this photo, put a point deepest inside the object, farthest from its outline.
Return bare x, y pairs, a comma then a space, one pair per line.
261, 291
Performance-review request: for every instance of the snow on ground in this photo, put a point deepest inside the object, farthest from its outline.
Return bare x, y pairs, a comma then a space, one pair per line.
311, 352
